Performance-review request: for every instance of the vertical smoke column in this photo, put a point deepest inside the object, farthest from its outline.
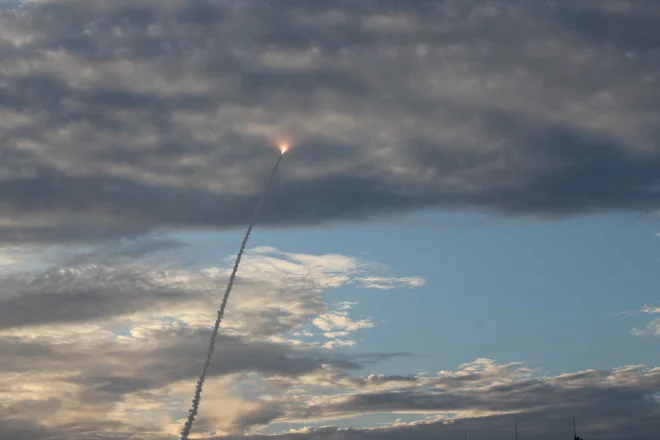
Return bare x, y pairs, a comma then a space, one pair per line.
200, 382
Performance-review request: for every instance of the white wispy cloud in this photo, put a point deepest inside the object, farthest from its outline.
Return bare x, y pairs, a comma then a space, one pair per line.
389, 283
651, 329
651, 310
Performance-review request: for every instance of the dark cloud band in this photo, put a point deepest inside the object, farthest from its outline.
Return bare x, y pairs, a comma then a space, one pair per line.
129, 117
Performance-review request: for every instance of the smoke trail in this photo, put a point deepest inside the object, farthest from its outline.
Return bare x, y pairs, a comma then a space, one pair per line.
200, 382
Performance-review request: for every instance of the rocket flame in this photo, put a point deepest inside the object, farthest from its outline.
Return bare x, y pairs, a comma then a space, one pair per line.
283, 148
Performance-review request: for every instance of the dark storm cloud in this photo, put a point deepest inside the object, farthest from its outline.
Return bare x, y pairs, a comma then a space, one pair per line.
124, 117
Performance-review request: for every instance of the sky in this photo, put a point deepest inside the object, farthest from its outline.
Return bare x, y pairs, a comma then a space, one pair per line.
463, 235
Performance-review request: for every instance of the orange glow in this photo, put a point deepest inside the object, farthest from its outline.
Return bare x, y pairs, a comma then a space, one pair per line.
284, 147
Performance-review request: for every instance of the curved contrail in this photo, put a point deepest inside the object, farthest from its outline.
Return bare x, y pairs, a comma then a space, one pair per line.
200, 382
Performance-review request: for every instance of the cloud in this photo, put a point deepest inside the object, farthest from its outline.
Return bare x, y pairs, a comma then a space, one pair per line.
653, 327
130, 117
80, 295
483, 398
338, 324
651, 310
389, 283
126, 251
126, 373
102, 345
277, 292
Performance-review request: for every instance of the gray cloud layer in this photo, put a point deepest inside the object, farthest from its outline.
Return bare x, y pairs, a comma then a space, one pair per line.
123, 117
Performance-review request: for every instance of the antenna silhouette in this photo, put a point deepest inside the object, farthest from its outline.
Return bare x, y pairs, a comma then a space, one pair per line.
575, 436
574, 430
515, 427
